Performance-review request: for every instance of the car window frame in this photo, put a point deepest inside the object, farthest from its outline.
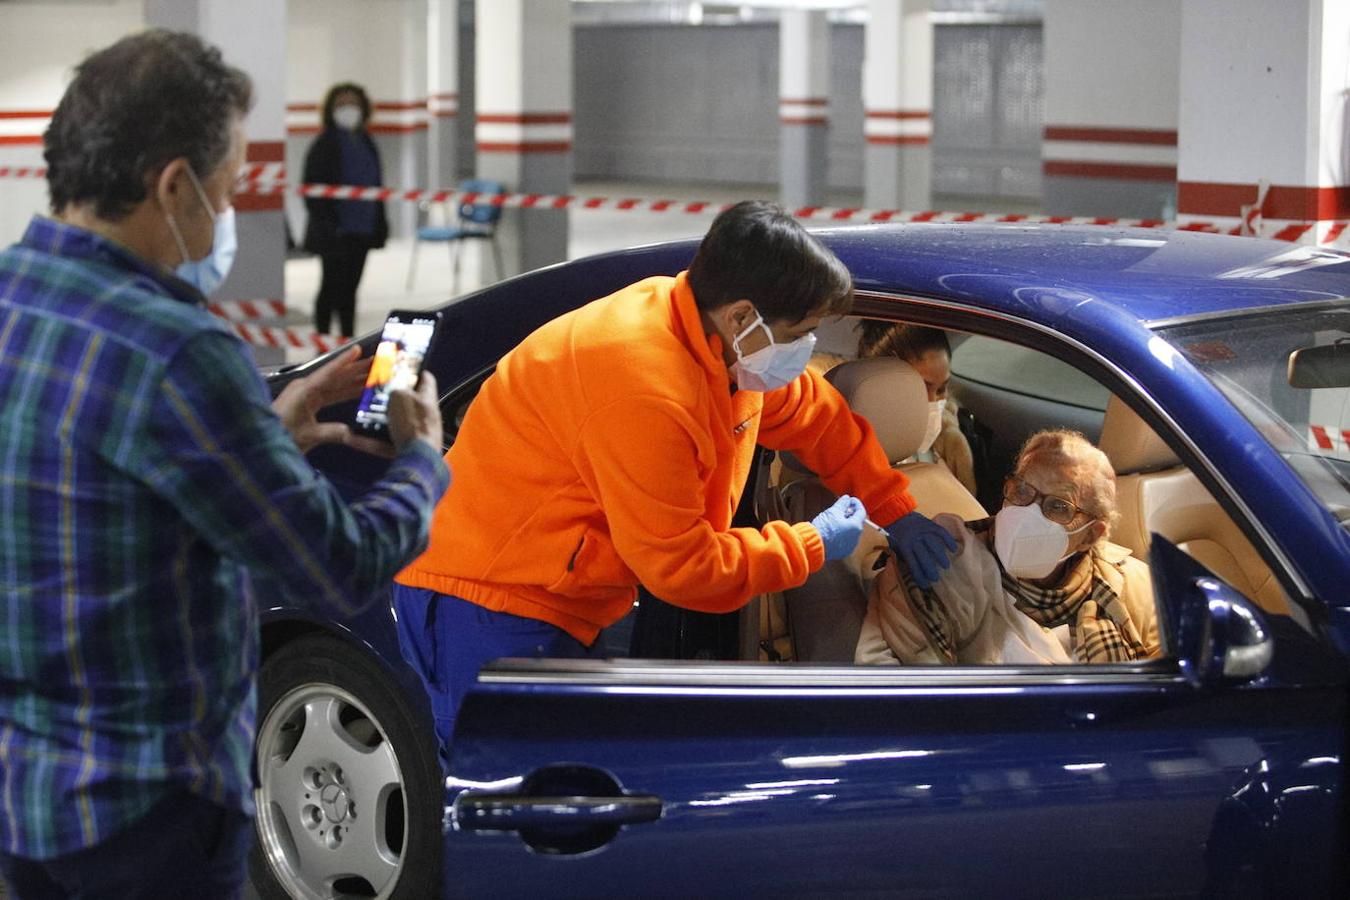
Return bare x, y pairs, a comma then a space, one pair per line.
941, 313
752, 675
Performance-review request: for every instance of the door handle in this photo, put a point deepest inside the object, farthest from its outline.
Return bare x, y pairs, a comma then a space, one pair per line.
512, 812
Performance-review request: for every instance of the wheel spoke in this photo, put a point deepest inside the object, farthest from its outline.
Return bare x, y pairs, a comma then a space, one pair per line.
364, 853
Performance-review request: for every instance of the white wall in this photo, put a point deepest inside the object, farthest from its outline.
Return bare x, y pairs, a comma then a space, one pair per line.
40, 44
1112, 62
1265, 88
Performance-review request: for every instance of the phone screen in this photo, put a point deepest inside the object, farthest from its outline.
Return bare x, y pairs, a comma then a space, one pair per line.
396, 365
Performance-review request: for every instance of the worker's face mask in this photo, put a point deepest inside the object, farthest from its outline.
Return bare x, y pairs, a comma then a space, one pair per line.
347, 116
1027, 543
773, 365
934, 425
208, 273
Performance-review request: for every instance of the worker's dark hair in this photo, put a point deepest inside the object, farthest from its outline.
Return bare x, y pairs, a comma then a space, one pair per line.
755, 251
909, 342
133, 108
330, 102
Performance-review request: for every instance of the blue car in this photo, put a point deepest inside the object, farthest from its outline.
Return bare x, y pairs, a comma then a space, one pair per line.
745, 755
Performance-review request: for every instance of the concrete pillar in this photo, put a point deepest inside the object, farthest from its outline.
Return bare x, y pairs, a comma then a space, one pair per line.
898, 105
1111, 82
39, 46
523, 107
251, 34
382, 46
803, 106
442, 91
1263, 99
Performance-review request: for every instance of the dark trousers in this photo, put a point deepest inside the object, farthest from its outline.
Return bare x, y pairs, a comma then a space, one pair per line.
447, 639
342, 268
185, 846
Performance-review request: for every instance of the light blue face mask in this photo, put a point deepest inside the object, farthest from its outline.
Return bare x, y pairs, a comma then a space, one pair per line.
209, 272
772, 366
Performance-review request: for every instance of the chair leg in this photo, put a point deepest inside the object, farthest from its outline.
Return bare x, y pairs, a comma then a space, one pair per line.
412, 265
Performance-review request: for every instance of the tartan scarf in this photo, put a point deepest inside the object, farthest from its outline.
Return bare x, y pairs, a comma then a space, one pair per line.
1101, 626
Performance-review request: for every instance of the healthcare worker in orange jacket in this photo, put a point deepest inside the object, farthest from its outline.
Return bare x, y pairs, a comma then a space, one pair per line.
611, 447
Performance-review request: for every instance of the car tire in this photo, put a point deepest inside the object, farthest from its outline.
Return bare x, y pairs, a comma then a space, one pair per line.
349, 799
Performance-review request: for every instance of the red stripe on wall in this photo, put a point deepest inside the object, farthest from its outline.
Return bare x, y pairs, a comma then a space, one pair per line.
13, 140
804, 120
807, 101
302, 107
398, 105
525, 147
898, 114
1111, 135
897, 139
266, 151
1205, 198
257, 202
1127, 171
541, 118
25, 114
378, 128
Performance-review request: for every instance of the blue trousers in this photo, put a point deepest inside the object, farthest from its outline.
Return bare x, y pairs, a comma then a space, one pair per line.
447, 639
185, 846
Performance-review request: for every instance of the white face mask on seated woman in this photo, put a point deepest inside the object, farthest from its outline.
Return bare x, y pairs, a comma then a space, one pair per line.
1028, 544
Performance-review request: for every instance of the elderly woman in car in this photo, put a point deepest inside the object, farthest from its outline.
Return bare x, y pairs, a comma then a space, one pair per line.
1036, 584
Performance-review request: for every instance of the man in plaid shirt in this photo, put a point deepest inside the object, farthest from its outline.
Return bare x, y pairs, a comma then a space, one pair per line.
144, 477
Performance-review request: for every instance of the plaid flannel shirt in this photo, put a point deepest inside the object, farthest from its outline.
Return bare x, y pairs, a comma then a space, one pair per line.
143, 478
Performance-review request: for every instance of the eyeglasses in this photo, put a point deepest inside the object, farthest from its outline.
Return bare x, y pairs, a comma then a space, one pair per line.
1056, 509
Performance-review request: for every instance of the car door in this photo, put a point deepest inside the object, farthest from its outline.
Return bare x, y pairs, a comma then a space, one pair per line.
654, 779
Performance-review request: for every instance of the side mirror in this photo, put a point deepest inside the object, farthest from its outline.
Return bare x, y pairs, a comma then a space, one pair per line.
1320, 367
1235, 644
1217, 635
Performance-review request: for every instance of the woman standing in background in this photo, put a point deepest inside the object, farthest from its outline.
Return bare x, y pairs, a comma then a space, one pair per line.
342, 232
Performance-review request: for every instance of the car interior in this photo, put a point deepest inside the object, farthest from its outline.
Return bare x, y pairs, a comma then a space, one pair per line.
1004, 391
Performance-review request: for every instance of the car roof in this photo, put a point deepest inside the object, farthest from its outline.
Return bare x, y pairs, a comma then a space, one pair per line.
1150, 274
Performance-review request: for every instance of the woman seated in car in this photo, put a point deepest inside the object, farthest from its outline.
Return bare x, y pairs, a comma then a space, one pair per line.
930, 353
1036, 584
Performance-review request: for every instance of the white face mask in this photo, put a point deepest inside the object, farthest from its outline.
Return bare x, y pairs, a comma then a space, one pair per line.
347, 116
772, 366
1027, 543
934, 426
209, 272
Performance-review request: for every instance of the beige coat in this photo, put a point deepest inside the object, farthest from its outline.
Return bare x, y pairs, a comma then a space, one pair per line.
988, 628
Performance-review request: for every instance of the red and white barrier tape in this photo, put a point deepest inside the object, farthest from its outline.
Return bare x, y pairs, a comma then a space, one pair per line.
1290, 231
303, 338
1327, 438
265, 178
243, 310
244, 317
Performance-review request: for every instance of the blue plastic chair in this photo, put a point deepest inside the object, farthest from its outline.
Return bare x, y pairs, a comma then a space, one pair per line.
473, 222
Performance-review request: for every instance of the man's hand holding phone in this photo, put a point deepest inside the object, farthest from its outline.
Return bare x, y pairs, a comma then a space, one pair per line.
416, 414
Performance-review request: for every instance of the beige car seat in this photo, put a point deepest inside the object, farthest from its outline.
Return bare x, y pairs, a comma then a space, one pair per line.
825, 614
1157, 494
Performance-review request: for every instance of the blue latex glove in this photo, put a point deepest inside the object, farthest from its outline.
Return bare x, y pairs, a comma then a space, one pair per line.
923, 545
841, 526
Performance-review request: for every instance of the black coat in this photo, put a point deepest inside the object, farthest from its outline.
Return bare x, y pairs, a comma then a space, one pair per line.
323, 165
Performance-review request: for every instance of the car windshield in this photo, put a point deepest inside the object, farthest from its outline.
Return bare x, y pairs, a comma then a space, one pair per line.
1299, 400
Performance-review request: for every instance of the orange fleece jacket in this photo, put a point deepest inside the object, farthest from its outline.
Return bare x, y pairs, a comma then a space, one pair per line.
608, 450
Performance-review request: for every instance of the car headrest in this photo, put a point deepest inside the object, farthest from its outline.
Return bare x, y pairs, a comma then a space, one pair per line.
890, 395
1130, 444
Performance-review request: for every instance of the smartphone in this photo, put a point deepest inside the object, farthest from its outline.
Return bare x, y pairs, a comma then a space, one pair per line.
404, 343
